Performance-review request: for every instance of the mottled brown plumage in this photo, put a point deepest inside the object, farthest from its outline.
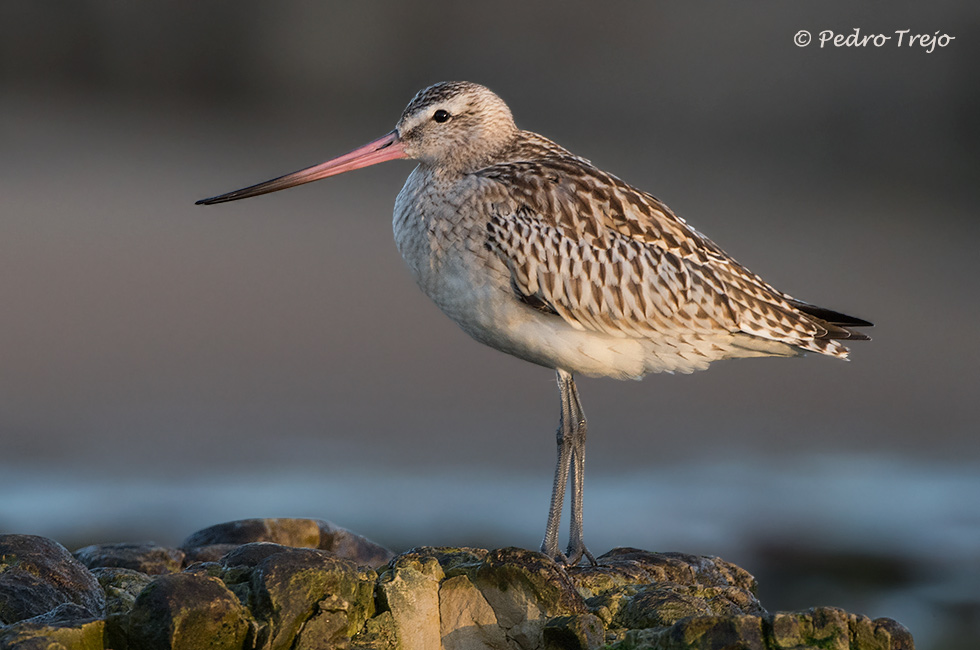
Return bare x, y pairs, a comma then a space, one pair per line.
538, 253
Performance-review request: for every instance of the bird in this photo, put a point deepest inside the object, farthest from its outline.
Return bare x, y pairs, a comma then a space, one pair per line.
537, 252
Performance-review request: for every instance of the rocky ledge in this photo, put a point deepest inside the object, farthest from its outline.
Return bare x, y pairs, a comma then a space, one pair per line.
302, 584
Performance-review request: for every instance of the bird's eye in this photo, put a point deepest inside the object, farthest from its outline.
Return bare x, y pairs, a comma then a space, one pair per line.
441, 116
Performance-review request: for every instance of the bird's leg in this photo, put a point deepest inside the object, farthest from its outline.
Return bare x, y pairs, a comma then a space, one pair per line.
550, 544
576, 542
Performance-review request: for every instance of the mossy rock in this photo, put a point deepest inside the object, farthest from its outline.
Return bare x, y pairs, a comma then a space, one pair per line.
187, 611
67, 627
290, 590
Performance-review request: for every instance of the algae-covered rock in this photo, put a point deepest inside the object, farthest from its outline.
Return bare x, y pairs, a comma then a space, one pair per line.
121, 587
526, 585
454, 560
146, 557
664, 604
300, 533
826, 627
378, 634
69, 626
835, 629
525, 589
187, 611
629, 566
38, 574
578, 632
294, 590
472, 598
879, 634
268, 596
702, 633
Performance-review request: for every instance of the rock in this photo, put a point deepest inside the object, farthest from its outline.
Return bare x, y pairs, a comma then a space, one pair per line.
636, 589
68, 625
466, 619
378, 634
306, 596
661, 605
471, 598
38, 574
629, 566
186, 611
525, 585
301, 533
352, 546
825, 626
409, 589
833, 628
145, 557
879, 634
121, 587
209, 553
702, 633
579, 632
264, 595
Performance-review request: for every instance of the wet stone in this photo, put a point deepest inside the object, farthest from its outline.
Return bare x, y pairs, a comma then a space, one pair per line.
145, 557
38, 574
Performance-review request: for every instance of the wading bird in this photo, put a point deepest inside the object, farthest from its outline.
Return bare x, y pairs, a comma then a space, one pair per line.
534, 251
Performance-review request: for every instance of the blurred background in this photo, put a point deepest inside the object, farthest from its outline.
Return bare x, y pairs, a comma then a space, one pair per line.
165, 366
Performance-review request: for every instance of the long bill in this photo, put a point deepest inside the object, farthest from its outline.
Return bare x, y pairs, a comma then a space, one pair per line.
388, 147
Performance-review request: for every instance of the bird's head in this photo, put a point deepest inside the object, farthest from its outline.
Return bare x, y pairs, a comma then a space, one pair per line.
454, 125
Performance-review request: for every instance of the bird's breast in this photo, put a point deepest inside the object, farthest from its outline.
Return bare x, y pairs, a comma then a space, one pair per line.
441, 233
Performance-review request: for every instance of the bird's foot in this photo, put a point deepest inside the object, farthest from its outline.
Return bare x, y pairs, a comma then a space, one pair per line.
574, 555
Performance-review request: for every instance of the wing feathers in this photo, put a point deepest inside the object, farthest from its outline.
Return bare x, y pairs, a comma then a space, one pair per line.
608, 258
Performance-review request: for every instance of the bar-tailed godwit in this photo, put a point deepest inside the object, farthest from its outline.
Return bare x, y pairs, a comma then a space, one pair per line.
534, 251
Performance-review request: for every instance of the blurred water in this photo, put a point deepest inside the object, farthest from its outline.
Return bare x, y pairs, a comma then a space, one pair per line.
921, 518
